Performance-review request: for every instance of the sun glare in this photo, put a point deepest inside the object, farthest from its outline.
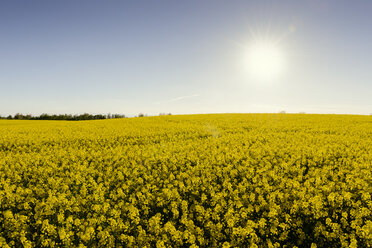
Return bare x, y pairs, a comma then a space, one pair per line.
264, 60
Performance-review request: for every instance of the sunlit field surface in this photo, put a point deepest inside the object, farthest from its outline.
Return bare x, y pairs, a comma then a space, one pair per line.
226, 180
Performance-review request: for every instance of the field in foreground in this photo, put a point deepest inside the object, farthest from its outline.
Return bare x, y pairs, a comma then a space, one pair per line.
231, 180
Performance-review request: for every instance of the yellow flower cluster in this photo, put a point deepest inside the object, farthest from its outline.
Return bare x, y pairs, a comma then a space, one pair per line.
227, 180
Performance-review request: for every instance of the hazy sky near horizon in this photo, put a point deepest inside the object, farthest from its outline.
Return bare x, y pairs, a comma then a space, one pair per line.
183, 56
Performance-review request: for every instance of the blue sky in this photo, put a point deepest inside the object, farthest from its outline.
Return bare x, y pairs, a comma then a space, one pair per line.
183, 56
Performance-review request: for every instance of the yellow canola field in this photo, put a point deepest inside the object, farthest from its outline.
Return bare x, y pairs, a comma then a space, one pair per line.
224, 180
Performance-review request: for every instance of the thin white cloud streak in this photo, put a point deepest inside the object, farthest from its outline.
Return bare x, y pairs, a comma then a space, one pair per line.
179, 98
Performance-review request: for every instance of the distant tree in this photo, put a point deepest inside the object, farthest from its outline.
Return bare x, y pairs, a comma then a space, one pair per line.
68, 117
141, 115
97, 117
44, 117
18, 116
117, 116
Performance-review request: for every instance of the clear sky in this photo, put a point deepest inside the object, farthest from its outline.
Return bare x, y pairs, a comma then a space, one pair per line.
182, 57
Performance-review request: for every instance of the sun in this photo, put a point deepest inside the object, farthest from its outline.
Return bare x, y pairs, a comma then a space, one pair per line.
264, 60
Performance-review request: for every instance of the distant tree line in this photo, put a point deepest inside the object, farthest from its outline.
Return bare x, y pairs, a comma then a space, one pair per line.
160, 114
65, 117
